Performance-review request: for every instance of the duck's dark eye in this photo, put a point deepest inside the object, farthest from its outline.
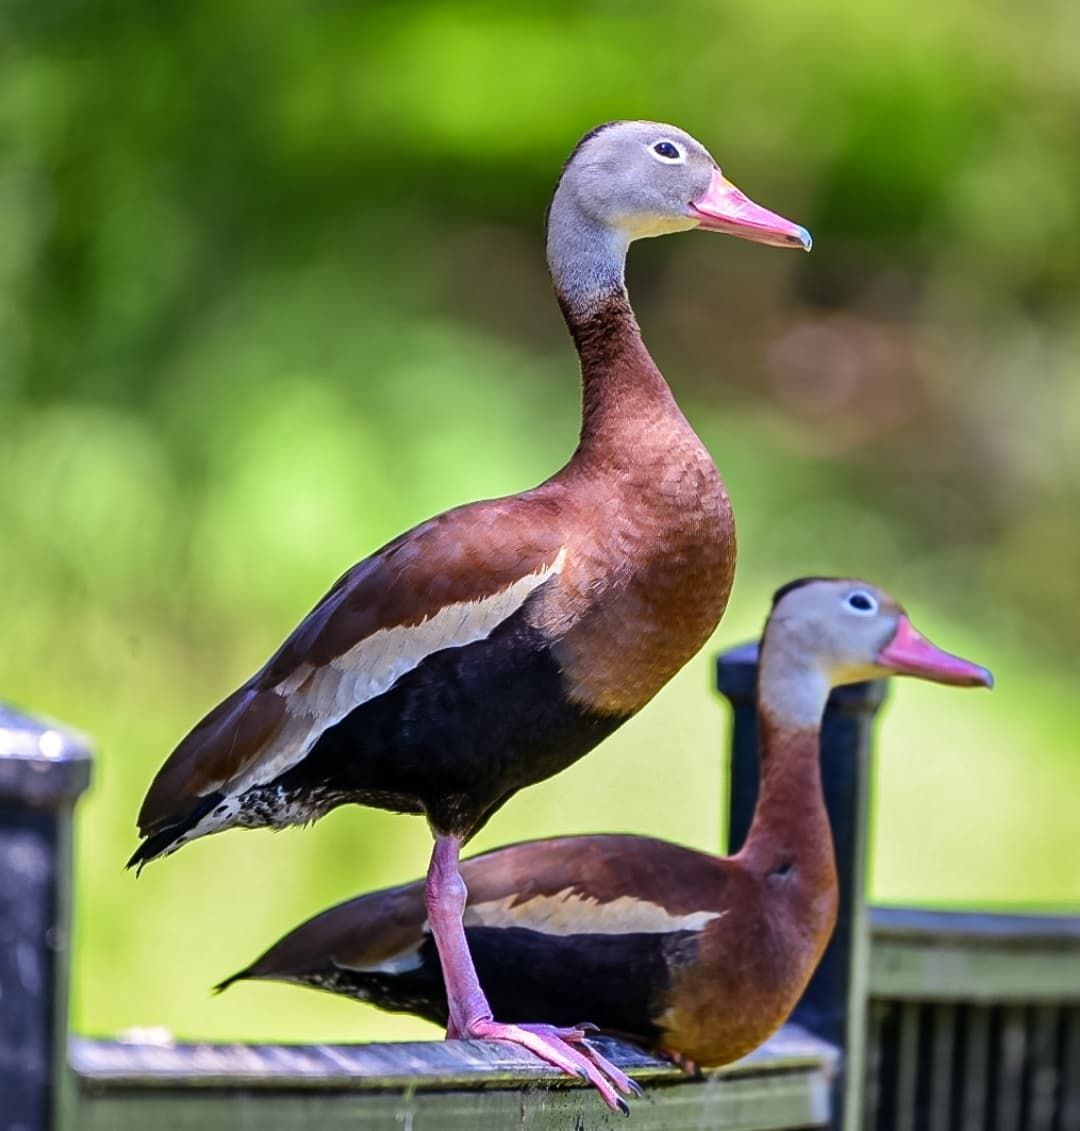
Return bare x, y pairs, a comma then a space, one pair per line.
862, 602
667, 150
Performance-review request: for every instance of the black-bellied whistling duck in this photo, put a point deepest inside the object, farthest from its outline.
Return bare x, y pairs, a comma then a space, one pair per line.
700, 956
495, 644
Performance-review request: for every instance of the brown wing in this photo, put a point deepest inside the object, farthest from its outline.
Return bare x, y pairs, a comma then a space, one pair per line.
469, 554
577, 881
618, 882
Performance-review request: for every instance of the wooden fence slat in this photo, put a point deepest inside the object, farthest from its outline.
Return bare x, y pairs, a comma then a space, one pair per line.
432, 1085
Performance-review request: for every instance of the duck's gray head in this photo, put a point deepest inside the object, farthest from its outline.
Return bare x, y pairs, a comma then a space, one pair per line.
824, 632
642, 179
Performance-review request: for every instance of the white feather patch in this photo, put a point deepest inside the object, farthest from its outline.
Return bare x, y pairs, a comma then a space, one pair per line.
569, 912
396, 964
318, 698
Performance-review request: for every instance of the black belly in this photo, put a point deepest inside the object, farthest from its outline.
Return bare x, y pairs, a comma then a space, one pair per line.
618, 982
456, 736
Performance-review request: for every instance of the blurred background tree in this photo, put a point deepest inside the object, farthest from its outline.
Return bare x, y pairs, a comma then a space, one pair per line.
272, 288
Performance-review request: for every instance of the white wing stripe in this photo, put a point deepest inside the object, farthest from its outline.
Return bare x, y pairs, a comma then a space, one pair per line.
569, 912
400, 963
324, 696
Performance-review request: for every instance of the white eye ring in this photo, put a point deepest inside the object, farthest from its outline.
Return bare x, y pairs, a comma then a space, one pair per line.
657, 151
862, 603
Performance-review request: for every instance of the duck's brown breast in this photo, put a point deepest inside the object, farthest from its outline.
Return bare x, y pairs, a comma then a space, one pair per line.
750, 971
648, 576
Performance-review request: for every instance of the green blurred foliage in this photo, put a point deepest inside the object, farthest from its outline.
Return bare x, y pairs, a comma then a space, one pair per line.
272, 288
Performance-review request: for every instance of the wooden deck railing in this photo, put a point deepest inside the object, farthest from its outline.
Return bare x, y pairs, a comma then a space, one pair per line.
915, 1021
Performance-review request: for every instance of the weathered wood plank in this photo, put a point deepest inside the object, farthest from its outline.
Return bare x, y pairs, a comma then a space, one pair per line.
439, 1085
954, 956
747, 1105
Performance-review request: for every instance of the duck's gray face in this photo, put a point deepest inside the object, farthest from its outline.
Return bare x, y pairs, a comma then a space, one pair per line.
648, 179
850, 631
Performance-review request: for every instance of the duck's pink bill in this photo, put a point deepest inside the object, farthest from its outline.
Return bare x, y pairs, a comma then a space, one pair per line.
723, 208
910, 653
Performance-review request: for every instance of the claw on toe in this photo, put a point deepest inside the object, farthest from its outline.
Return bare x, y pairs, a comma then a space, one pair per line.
567, 1050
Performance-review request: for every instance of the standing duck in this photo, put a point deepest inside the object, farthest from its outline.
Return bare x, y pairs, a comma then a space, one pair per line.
699, 956
495, 644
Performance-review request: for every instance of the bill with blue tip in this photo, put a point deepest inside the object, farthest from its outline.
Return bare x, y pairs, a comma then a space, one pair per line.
724, 208
910, 653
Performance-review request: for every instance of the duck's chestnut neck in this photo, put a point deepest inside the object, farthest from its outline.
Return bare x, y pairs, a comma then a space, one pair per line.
623, 391
790, 813
790, 831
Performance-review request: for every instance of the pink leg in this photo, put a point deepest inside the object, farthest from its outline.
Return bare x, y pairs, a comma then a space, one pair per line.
470, 1014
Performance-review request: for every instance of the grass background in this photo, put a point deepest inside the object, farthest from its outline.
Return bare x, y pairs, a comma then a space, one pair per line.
272, 288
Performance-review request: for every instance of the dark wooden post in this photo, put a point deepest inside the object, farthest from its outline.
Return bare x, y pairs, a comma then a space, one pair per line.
42, 772
834, 1005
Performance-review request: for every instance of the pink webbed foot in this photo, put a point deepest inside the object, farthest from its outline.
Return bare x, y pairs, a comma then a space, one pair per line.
566, 1049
